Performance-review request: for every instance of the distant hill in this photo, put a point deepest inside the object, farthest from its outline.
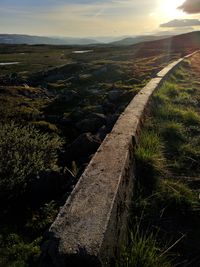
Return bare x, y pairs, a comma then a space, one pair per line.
189, 40
138, 39
185, 43
32, 40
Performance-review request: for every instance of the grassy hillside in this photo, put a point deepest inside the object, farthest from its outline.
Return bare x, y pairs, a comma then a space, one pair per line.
138, 39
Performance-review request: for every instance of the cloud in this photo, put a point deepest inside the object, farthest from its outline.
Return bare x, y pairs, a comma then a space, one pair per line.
191, 6
181, 23
76, 17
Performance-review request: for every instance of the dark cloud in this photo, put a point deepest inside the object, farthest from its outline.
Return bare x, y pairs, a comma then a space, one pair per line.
181, 23
191, 6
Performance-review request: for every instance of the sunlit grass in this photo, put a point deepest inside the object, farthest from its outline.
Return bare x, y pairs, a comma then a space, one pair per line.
163, 205
149, 159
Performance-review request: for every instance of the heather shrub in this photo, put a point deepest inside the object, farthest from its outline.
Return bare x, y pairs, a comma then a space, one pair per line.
24, 153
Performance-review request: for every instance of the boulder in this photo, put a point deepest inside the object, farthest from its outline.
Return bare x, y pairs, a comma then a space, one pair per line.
65, 121
133, 81
85, 145
108, 107
102, 132
90, 124
97, 115
111, 121
114, 95
47, 185
77, 114
52, 118
68, 96
72, 79
95, 109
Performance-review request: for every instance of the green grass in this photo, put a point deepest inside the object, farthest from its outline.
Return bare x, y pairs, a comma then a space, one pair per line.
152, 242
149, 159
163, 207
143, 251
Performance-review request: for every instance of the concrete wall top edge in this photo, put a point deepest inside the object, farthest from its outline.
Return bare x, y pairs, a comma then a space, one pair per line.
87, 210
170, 67
192, 54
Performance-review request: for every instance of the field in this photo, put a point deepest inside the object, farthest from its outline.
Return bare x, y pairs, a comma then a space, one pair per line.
56, 108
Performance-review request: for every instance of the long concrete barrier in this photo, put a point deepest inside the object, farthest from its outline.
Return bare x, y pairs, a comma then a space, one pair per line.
92, 225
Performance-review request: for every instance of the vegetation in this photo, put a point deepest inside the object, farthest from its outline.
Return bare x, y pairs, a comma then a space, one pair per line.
24, 152
149, 160
43, 100
164, 216
49, 101
143, 251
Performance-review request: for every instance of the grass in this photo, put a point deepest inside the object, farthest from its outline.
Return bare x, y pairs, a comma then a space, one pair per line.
143, 251
149, 159
154, 225
163, 218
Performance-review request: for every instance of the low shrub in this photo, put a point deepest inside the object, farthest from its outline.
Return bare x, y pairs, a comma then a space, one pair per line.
15, 252
24, 152
45, 126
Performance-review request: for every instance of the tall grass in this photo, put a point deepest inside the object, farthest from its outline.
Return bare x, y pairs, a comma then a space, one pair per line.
143, 251
162, 209
149, 160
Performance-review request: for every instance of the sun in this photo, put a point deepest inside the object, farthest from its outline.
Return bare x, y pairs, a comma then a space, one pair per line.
169, 9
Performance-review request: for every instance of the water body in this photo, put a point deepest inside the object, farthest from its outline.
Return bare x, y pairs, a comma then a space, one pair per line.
82, 51
8, 63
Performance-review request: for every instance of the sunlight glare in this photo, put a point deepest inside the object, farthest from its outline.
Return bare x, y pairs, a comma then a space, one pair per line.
168, 9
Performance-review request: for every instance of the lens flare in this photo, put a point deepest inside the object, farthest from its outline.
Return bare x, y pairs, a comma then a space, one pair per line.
169, 9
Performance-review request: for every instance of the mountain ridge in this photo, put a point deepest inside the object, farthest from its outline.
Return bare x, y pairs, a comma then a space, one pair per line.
128, 41
139, 39
33, 40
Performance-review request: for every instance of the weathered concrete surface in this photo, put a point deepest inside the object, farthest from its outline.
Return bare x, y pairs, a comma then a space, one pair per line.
164, 73
93, 221
94, 213
192, 54
130, 120
167, 70
92, 224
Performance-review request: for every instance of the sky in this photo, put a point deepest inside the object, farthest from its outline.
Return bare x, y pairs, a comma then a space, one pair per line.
90, 18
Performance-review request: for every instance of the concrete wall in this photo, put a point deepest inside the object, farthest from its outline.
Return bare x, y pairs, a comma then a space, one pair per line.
92, 224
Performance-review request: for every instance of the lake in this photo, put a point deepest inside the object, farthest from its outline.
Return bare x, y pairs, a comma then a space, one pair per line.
8, 63
82, 51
